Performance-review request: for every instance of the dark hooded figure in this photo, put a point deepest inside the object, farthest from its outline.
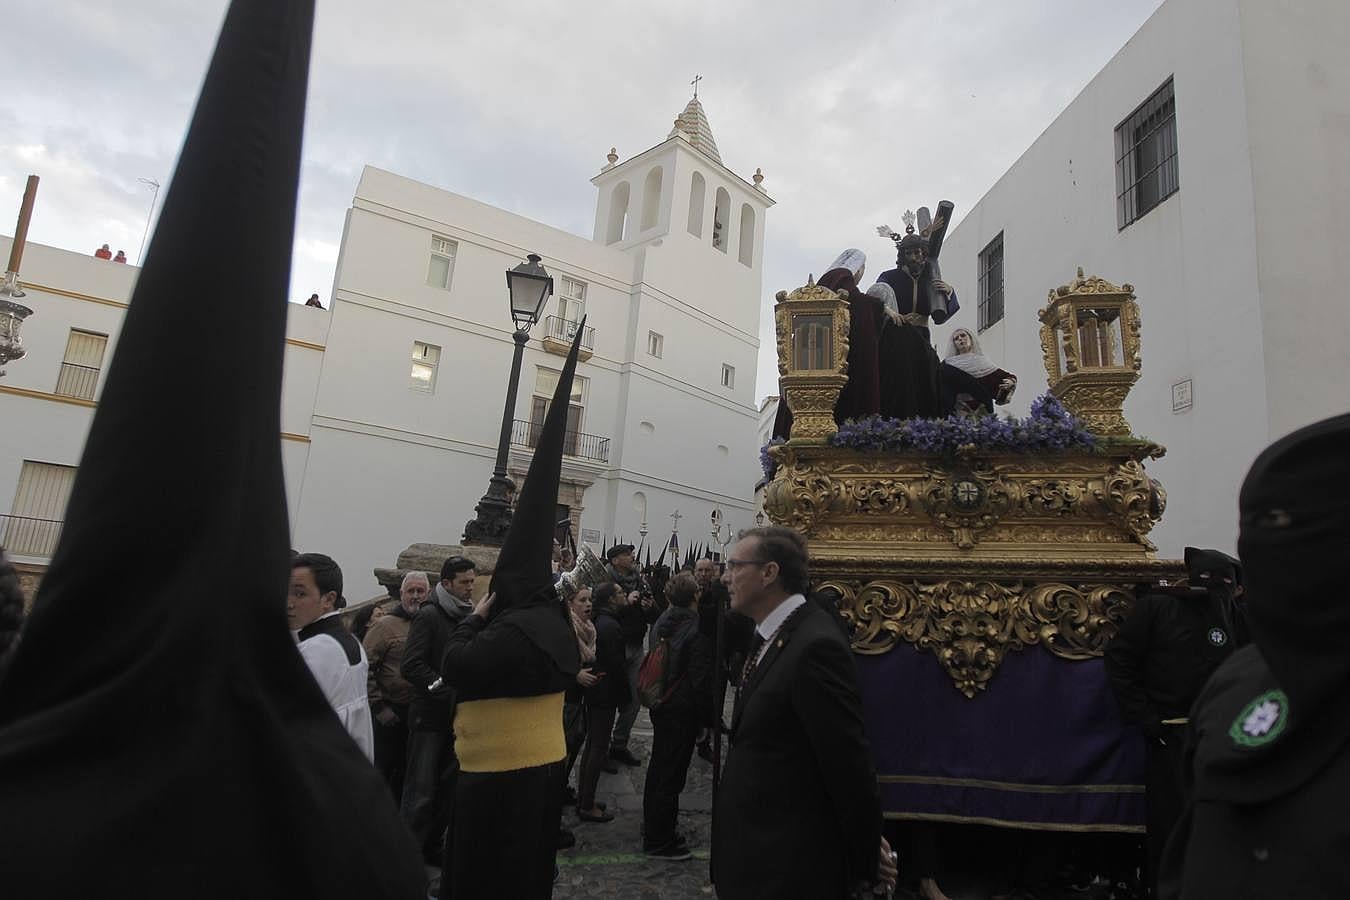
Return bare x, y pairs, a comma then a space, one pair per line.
510, 662
1269, 739
1170, 643
160, 736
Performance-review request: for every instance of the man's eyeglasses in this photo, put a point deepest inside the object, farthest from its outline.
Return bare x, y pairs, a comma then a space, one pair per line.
734, 564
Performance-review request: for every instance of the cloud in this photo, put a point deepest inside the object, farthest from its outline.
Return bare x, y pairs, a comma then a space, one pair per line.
855, 110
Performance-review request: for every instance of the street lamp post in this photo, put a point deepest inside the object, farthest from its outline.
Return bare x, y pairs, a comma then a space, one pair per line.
530, 286
149, 214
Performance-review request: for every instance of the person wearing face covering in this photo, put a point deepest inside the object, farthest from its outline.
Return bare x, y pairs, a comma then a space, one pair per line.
1168, 646
969, 384
1268, 743
168, 740
861, 395
510, 662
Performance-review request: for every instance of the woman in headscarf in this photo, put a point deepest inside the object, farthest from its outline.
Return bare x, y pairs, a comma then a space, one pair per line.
968, 383
861, 396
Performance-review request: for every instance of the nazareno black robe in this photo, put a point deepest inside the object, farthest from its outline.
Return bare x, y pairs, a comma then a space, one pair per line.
160, 734
510, 673
505, 821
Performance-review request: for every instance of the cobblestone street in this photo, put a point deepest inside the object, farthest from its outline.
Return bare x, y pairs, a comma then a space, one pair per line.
607, 861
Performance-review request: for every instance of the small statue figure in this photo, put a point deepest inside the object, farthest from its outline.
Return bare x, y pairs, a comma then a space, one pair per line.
969, 384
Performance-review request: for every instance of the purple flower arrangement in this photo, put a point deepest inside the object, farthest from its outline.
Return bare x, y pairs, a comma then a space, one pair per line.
767, 462
1049, 429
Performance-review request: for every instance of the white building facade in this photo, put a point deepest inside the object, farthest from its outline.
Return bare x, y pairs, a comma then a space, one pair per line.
1205, 165
393, 397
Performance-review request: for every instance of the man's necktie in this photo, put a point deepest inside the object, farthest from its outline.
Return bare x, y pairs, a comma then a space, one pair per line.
751, 658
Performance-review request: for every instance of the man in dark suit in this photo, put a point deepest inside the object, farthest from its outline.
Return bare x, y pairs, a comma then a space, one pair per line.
798, 814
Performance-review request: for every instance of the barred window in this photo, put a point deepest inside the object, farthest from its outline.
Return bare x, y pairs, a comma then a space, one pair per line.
991, 283
1146, 156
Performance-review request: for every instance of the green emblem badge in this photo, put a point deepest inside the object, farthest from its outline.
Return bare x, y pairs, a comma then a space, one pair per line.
1218, 637
1261, 721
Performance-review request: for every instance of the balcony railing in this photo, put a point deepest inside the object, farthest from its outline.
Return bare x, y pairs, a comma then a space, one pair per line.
77, 381
26, 536
575, 443
557, 328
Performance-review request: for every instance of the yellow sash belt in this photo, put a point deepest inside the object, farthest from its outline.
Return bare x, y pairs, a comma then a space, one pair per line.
508, 733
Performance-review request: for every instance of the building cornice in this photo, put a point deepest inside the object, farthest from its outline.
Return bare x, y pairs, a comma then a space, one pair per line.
764, 199
45, 395
75, 295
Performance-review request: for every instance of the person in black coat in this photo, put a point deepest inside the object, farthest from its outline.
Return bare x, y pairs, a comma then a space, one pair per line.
677, 720
429, 782
1165, 651
798, 813
603, 700
1269, 738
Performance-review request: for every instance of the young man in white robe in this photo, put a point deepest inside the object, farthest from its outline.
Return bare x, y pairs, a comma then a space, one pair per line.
334, 656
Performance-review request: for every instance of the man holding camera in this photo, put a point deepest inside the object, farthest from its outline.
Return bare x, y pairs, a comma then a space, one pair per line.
634, 617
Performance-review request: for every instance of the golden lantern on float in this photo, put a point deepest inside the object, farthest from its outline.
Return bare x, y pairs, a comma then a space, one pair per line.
1090, 341
812, 325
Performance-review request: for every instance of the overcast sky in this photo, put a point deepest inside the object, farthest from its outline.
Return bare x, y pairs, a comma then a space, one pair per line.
855, 109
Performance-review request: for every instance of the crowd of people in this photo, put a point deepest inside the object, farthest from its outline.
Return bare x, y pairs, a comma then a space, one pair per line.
162, 736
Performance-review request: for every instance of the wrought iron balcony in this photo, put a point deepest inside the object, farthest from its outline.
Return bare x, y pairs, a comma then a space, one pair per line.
26, 536
558, 335
575, 443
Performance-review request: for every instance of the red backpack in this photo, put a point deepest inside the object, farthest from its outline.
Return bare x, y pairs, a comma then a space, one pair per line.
655, 682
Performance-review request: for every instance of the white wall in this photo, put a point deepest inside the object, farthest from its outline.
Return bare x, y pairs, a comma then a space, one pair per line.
389, 465
1191, 259
1297, 82
74, 290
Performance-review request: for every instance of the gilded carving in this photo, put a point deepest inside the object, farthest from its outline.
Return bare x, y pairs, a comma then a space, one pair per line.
1091, 381
1129, 494
971, 625
811, 393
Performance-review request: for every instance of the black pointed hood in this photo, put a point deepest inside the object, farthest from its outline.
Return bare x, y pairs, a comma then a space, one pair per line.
523, 576
158, 728
523, 570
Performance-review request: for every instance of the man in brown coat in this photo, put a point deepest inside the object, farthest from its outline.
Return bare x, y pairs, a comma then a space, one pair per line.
389, 693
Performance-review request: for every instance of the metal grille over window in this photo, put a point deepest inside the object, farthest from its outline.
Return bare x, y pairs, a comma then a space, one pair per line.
1146, 157
991, 283
39, 509
425, 359
80, 368
442, 264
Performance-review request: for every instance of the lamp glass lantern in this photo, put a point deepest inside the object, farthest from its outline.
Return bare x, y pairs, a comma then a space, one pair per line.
530, 286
